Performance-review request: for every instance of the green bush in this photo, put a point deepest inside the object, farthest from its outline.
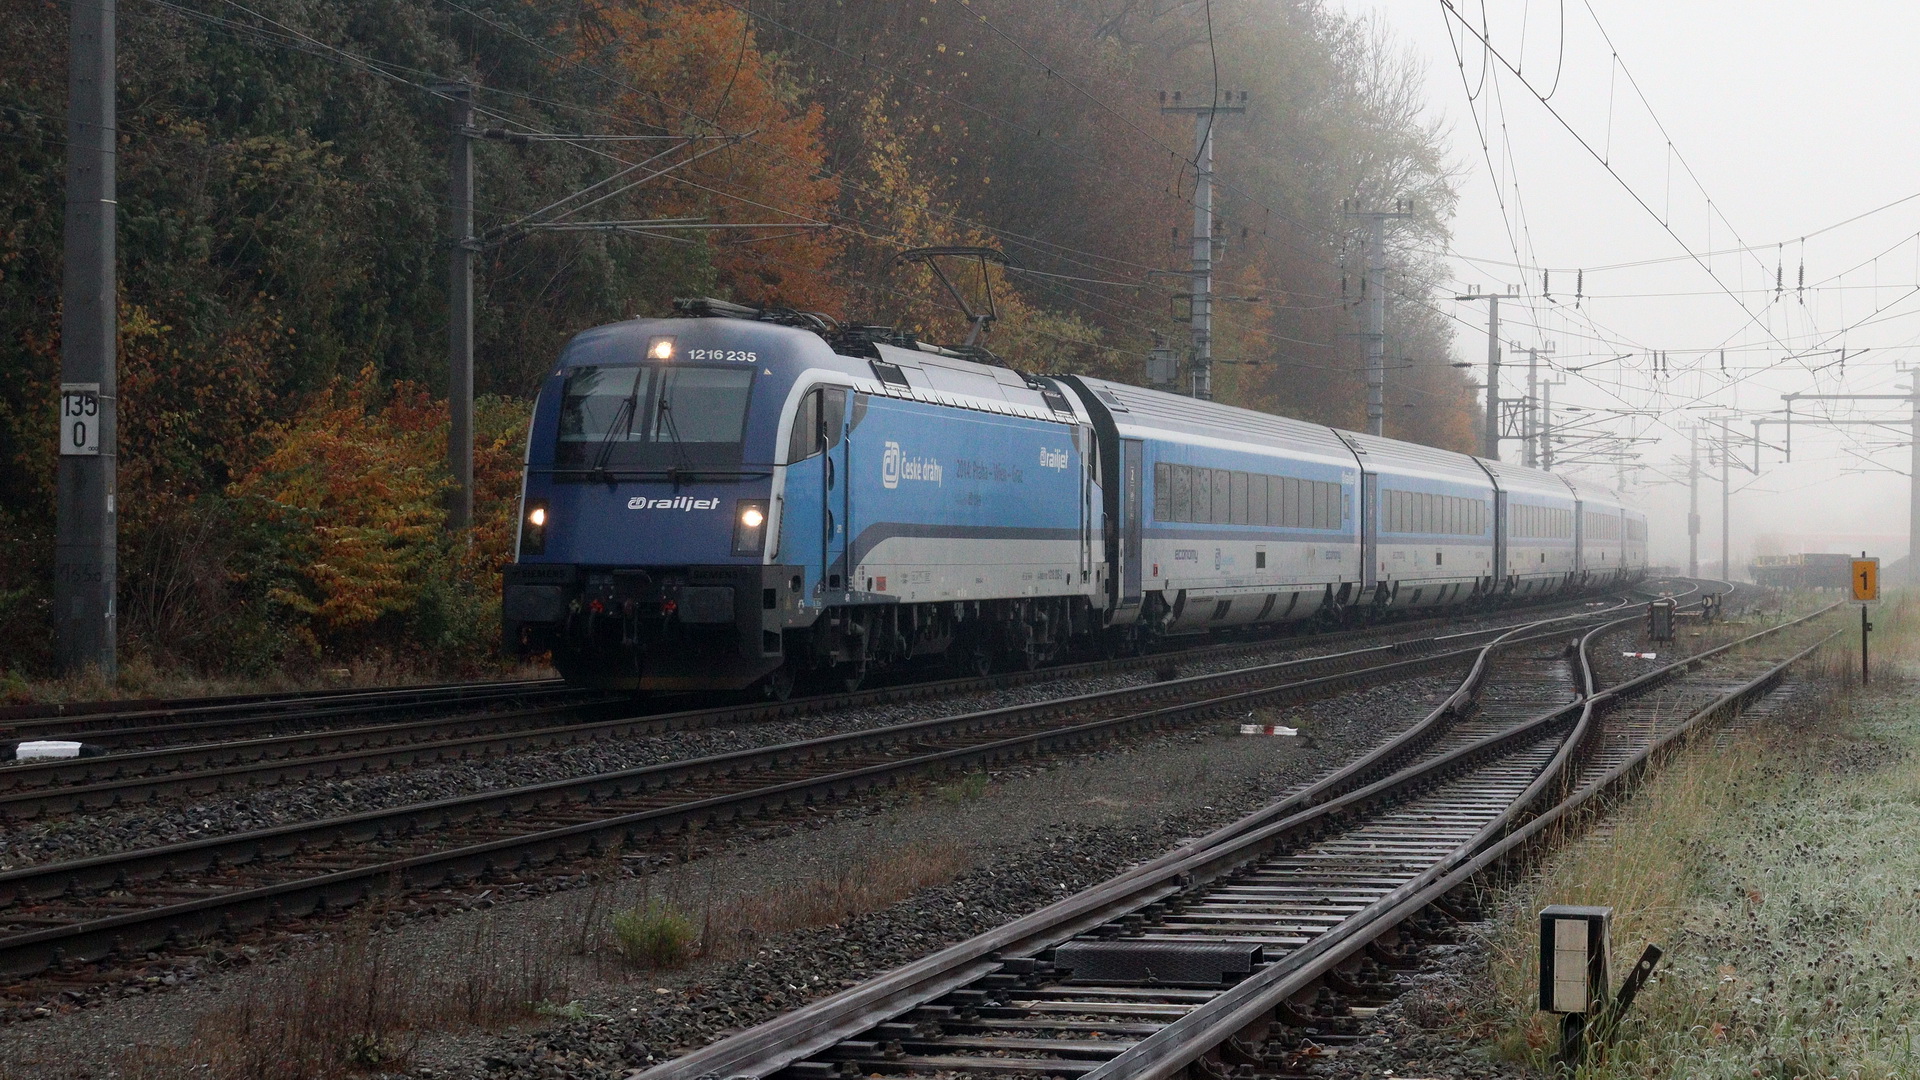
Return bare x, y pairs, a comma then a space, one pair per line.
653, 934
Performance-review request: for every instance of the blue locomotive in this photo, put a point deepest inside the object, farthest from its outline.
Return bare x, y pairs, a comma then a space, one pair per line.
740, 496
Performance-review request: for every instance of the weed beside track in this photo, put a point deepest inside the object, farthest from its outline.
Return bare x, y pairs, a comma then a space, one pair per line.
1776, 865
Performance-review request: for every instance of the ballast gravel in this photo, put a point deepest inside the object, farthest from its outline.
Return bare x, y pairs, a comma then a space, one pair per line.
1034, 834
124, 828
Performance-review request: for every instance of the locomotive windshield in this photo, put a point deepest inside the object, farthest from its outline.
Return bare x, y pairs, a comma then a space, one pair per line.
652, 416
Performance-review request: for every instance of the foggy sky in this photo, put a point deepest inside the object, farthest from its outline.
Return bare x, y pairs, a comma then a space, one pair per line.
1793, 118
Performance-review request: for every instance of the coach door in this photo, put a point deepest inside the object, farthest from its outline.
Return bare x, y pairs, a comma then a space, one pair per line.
1369, 530
1133, 469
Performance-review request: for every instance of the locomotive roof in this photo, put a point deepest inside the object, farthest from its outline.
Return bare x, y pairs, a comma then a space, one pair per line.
626, 342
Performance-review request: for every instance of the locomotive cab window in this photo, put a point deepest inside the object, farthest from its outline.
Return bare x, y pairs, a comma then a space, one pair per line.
656, 416
818, 425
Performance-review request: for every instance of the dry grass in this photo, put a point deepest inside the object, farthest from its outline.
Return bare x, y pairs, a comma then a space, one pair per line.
733, 926
1776, 866
357, 1002
1638, 864
140, 678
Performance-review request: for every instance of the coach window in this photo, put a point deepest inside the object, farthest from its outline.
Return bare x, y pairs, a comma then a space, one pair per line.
1237, 498
1183, 493
1162, 491
1257, 498
1222, 502
1202, 509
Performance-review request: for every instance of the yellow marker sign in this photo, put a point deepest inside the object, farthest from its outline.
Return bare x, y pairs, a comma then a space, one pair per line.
1866, 579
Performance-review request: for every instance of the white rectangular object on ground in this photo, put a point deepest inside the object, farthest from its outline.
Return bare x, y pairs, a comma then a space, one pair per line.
1267, 729
46, 748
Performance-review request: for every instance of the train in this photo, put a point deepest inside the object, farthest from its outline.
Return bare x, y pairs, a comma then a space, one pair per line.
737, 497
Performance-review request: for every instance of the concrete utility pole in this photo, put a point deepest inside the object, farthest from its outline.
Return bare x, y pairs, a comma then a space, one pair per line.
460, 311
1377, 310
1727, 506
1204, 115
1693, 505
1546, 422
1530, 427
1913, 494
1490, 437
86, 525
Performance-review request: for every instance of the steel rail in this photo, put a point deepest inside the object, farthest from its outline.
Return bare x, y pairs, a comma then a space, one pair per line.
278, 711
30, 951
765, 1049
1168, 1052
810, 1031
34, 720
30, 790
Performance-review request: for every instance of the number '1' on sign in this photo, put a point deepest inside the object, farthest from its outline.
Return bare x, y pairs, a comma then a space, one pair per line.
1866, 579
80, 418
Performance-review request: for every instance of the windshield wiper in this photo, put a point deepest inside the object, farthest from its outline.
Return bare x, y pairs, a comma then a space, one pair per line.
624, 413
673, 429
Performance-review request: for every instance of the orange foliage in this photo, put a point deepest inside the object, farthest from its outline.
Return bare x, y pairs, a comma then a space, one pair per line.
362, 486
695, 69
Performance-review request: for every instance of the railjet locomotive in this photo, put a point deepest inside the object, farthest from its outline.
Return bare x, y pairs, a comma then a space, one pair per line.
738, 496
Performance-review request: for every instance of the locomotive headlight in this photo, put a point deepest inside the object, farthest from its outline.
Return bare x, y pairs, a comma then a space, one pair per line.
533, 528
750, 527
660, 348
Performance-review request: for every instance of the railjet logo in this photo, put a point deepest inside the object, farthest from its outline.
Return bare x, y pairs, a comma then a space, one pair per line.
895, 466
1053, 459
683, 503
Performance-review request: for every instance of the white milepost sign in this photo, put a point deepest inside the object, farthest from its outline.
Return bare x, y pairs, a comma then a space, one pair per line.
80, 418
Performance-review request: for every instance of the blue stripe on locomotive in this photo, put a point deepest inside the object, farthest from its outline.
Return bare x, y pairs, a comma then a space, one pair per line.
924, 473
929, 470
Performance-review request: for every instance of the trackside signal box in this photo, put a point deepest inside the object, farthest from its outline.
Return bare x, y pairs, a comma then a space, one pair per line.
1660, 619
1573, 958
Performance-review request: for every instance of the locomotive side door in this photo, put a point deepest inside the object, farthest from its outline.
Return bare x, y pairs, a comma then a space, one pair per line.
1133, 470
813, 515
835, 485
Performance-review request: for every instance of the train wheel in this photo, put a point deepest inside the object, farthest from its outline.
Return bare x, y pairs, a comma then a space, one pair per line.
980, 662
779, 685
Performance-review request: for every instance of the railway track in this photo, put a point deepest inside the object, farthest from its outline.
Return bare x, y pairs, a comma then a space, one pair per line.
1207, 962
114, 721
70, 914
145, 774
118, 725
